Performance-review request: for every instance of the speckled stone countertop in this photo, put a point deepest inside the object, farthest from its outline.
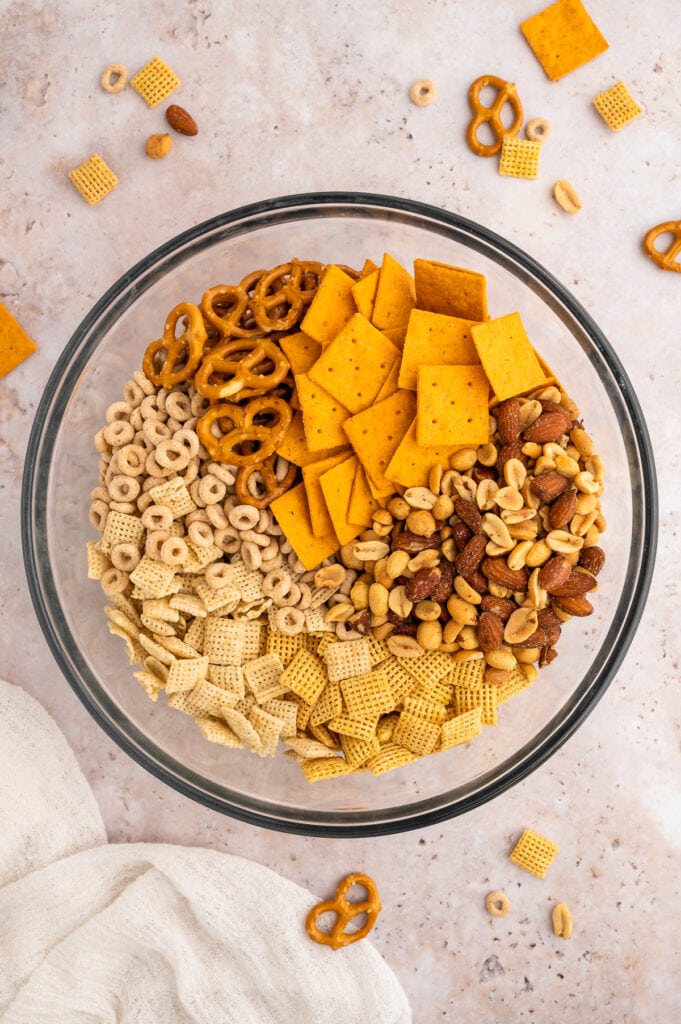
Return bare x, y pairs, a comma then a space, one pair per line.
293, 98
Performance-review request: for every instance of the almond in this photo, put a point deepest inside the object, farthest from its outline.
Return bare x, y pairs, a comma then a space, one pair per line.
549, 486
412, 544
497, 571
535, 640
592, 559
548, 427
461, 534
502, 607
469, 514
548, 654
554, 573
422, 584
471, 556
508, 421
480, 473
574, 605
444, 587
361, 622
563, 509
509, 451
181, 121
490, 632
576, 584
548, 621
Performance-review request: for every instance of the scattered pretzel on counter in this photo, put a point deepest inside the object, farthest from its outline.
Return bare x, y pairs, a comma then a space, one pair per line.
506, 93
345, 912
666, 259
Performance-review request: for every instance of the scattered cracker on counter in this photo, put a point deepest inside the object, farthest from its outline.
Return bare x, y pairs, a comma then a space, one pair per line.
534, 853
617, 106
94, 179
155, 82
15, 344
563, 37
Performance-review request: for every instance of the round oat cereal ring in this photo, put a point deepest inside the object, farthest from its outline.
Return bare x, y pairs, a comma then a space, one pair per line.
174, 551
538, 129
289, 620
200, 534
125, 557
498, 903
423, 92
157, 517
114, 78
114, 581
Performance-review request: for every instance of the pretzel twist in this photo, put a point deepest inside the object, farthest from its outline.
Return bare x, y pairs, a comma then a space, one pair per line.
248, 369
345, 912
245, 442
262, 479
172, 360
666, 259
506, 93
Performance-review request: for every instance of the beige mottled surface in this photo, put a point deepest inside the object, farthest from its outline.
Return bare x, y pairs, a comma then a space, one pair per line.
314, 96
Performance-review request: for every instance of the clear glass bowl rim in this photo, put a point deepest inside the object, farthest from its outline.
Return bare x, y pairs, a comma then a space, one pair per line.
34, 510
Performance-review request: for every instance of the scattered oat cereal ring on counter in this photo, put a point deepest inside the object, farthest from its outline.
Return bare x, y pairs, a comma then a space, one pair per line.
667, 259
114, 78
538, 129
345, 911
154, 82
498, 903
94, 179
423, 92
507, 93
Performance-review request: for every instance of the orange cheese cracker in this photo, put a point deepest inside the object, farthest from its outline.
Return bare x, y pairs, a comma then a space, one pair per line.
452, 291
395, 295
364, 293
355, 365
508, 357
15, 344
412, 462
332, 305
389, 385
375, 435
563, 37
396, 334
300, 350
320, 520
435, 340
323, 415
294, 447
292, 515
452, 406
337, 487
362, 502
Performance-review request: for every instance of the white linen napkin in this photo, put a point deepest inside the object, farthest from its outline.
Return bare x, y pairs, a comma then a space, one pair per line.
148, 933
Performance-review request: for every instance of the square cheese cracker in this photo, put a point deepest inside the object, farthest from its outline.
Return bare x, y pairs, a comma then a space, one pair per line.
332, 306
452, 291
507, 356
563, 37
435, 340
354, 366
376, 433
453, 404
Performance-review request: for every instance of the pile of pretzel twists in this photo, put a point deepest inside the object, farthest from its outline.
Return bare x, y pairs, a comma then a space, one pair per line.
228, 348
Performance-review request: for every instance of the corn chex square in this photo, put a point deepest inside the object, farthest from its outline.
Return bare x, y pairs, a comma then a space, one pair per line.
429, 668
467, 675
97, 562
303, 710
348, 658
519, 158
154, 82
284, 645
385, 727
356, 752
263, 677
204, 701
195, 633
309, 748
229, 677
329, 705
389, 757
94, 179
424, 708
223, 641
121, 528
461, 728
185, 673
617, 106
378, 651
441, 693
321, 733
401, 682
513, 686
287, 712
219, 732
173, 494
416, 734
240, 724
324, 768
305, 675
534, 853
178, 647
268, 728
346, 726
367, 696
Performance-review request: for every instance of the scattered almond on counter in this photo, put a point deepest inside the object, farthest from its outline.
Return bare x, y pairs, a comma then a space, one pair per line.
180, 121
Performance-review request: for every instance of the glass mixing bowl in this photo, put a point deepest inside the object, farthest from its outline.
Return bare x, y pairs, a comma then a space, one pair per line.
61, 469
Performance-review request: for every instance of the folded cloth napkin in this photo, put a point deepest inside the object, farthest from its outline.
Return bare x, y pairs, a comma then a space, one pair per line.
148, 933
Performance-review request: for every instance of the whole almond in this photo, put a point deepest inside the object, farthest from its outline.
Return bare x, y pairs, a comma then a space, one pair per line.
502, 607
497, 571
592, 559
461, 534
574, 605
508, 421
490, 632
563, 509
549, 486
181, 121
554, 573
421, 585
548, 427
444, 587
469, 514
412, 544
575, 585
471, 556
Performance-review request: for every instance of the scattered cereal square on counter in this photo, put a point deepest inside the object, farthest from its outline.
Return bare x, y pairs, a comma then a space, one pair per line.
563, 37
519, 158
94, 179
617, 106
534, 853
154, 82
15, 344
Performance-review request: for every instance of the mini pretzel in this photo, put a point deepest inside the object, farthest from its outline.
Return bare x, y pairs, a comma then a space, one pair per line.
172, 360
666, 260
263, 480
248, 368
506, 93
345, 912
224, 307
277, 302
244, 430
